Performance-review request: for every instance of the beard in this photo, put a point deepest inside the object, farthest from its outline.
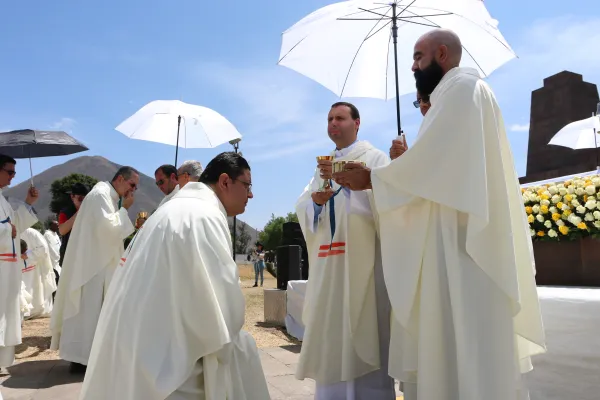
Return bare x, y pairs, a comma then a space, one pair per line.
428, 78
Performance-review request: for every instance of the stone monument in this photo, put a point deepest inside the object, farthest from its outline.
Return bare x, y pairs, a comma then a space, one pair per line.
564, 98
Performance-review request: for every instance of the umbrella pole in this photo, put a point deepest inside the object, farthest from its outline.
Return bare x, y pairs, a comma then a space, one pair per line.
395, 37
596, 145
177, 144
235, 148
31, 171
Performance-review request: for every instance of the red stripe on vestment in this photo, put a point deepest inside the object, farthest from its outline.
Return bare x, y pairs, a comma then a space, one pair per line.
28, 269
331, 253
8, 259
332, 245
8, 255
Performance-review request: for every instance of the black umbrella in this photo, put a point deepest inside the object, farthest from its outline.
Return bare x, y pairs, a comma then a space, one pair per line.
29, 143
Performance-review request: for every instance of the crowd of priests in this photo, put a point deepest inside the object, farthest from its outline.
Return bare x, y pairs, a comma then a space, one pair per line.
417, 276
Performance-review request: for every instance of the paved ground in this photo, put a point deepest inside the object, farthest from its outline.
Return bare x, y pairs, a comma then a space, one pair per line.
51, 380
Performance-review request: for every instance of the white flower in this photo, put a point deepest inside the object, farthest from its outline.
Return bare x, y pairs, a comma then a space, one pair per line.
548, 224
589, 217
574, 219
591, 204
597, 224
540, 217
560, 222
532, 232
553, 210
571, 189
547, 193
553, 190
579, 183
536, 209
575, 203
544, 203
579, 191
556, 198
597, 214
562, 191
560, 185
565, 207
581, 210
590, 189
552, 233
596, 181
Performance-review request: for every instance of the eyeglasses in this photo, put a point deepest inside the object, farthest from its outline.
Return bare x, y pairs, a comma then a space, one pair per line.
133, 186
247, 184
10, 172
160, 182
417, 103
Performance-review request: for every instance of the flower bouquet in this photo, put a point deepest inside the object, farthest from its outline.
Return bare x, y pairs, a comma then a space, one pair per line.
566, 210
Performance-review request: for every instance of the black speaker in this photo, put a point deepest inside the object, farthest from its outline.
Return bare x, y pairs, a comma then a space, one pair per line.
292, 235
289, 259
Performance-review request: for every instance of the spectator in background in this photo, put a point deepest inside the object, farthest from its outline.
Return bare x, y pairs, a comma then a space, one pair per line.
259, 265
66, 217
189, 171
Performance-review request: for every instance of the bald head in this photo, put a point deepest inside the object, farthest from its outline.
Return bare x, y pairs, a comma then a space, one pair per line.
435, 53
441, 45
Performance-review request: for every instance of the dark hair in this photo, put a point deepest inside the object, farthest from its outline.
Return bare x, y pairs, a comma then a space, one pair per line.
167, 170
229, 162
353, 110
125, 172
6, 160
23, 246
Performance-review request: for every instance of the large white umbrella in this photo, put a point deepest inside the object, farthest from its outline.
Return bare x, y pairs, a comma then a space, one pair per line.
179, 124
365, 48
582, 134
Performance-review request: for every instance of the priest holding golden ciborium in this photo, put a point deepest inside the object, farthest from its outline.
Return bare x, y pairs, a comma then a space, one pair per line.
346, 309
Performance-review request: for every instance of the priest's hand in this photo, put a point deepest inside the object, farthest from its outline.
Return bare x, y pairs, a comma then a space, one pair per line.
14, 231
128, 200
398, 148
325, 168
320, 198
355, 176
32, 196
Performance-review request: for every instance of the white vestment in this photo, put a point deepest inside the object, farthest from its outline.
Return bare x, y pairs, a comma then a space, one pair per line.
38, 274
10, 276
54, 243
171, 324
457, 255
95, 246
346, 309
169, 196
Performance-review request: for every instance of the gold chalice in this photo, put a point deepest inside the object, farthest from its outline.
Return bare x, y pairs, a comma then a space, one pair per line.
326, 186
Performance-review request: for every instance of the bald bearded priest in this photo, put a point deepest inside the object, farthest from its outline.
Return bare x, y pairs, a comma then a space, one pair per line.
346, 310
187, 342
457, 256
95, 246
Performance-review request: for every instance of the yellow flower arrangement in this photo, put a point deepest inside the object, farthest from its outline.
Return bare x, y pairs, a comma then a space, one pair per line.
564, 210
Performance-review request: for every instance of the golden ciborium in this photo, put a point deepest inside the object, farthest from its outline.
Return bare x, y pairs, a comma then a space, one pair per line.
326, 186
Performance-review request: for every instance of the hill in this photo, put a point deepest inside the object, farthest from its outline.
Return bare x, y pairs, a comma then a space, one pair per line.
147, 197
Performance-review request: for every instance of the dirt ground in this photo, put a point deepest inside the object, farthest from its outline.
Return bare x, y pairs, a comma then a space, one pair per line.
36, 333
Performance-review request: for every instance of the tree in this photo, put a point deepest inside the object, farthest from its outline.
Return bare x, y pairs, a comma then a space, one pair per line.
242, 238
60, 187
271, 235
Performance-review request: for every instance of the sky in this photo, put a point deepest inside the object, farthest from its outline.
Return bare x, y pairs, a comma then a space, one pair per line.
84, 67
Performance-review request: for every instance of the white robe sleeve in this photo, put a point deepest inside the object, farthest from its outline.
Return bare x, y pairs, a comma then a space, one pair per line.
24, 217
113, 223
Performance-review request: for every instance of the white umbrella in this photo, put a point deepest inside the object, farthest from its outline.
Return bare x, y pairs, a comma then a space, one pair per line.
347, 47
580, 134
179, 124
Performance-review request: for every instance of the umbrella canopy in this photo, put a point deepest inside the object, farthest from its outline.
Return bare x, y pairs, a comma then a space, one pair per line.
179, 124
582, 134
364, 48
348, 48
29, 143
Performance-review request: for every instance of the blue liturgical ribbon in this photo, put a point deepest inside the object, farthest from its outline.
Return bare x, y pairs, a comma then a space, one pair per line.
332, 212
7, 220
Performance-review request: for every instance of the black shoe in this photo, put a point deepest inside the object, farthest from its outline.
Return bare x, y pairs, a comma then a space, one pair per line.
77, 368
255, 285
